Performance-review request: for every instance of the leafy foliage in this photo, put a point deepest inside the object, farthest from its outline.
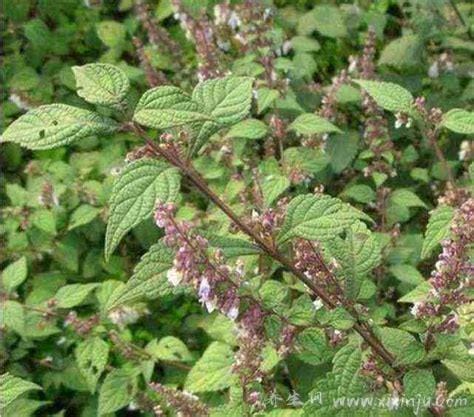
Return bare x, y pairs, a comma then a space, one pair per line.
236, 208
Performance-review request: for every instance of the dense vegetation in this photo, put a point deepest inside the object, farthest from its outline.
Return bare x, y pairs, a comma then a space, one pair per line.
237, 208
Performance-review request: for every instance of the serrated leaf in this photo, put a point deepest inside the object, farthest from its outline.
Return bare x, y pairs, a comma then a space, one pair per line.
316, 217
91, 356
328, 21
84, 214
406, 198
148, 280
248, 129
459, 121
346, 365
406, 349
407, 273
404, 52
464, 370
417, 294
102, 84
389, 96
272, 187
419, 383
72, 295
135, 193
54, 125
437, 229
358, 254
213, 371
166, 107
13, 316
12, 387
117, 390
311, 124
111, 33
341, 149
14, 274
227, 100
312, 346
265, 98
169, 348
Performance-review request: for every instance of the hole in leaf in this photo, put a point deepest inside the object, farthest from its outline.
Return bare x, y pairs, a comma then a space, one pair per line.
55, 122
42, 133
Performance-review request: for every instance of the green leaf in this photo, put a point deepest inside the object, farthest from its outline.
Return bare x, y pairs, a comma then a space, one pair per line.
312, 346
169, 348
14, 274
148, 279
232, 247
273, 293
359, 192
341, 149
140, 185
406, 349
12, 387
167, 106
389, 96
272, 187
316, 217
45, 221
358, 254
72, 295
464, 370
102, 84
117, 390
84, 214
226, 100
346, 367
13, 316
91, 356
406, 198
111, 33
417, 294
213, 371
328, 21
437, 229
407, 273
459, 121
402, 53
248, 129
24, 407
54, 125
311, 124
419, 383
265, 98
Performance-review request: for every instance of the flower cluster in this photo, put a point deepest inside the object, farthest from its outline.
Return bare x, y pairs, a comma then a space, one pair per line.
453, 272
213, 279
185, 403
309, 261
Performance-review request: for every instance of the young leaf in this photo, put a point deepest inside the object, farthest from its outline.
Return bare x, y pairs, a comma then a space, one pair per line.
140, 185
84, 214
272, 186
73, 295
402, 53
311, 124
91, 356
166, 107
459, 121
437, 229
389, 96
406, 198
406, 349
148, 279
169, 348
419, 383
14, 274
248, 129
117, 391
102, 84
407, 273
54, 125
12, 387
13, 316
213, 371
226, 100
316, 217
